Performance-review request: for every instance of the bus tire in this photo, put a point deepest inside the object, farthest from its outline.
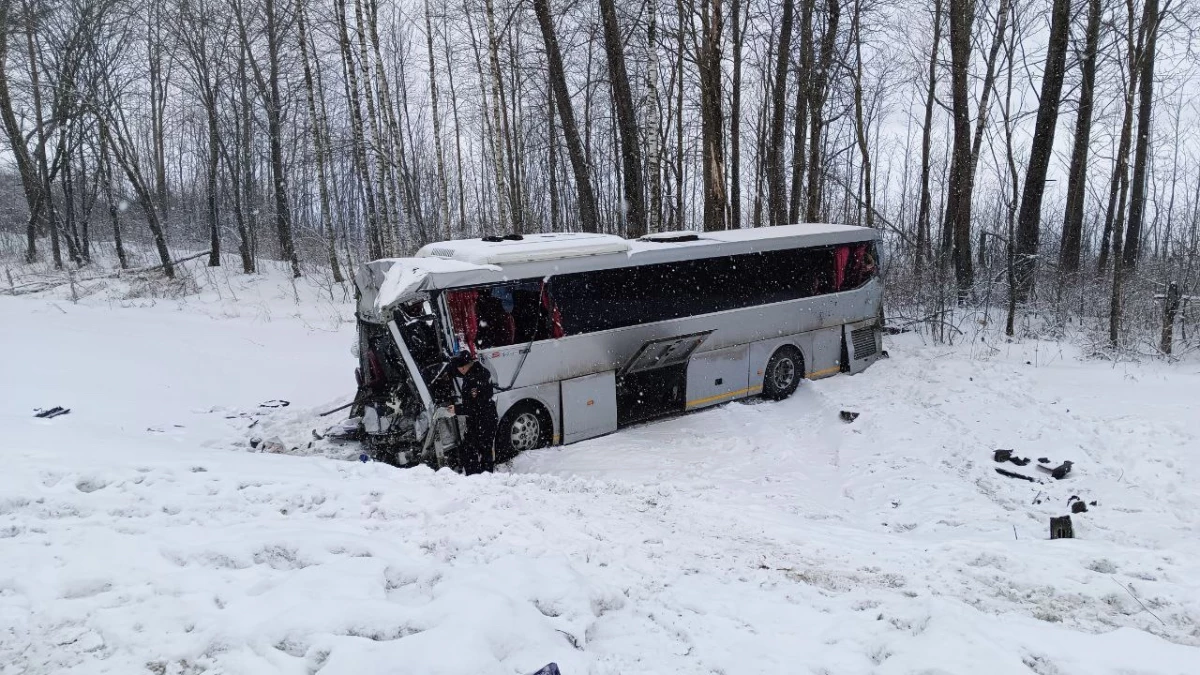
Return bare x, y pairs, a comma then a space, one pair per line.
783, 373
526, 426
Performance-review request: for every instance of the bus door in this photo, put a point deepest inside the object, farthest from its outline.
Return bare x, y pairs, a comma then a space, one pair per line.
654, 381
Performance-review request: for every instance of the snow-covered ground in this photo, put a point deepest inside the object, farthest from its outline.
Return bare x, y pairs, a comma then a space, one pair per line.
142, 533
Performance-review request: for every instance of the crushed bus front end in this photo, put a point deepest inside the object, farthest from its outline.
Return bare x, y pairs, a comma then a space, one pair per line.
404, 389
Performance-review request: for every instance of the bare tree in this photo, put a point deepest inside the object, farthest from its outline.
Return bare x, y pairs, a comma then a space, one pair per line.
776, 197
1137, 200
1029, 217
958, 206
1072, 234
589, 219
923, 208
631, 153
707, 45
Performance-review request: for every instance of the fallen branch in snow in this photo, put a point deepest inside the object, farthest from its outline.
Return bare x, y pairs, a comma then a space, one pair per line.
1013, 474
1138, 600
39, 286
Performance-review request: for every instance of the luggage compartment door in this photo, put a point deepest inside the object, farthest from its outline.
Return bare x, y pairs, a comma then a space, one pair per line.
718, 376
589, 406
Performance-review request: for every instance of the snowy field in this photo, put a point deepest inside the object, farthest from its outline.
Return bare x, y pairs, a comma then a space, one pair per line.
141, 533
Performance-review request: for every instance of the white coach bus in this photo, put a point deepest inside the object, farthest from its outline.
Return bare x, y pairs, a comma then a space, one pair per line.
585, 333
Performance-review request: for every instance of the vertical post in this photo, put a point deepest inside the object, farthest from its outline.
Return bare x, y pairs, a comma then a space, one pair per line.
11, 285
71, 280
1170, 309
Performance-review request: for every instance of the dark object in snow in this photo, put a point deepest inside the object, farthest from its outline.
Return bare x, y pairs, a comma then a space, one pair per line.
884, 355
1013, 474
848, 416
1061, 528
1059, 472
51, 413
1078, 505
275, 403
549, 669
1008, 456
1044, 460
254, 442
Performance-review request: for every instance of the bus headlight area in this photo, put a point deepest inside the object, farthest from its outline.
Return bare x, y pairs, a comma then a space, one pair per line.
579, 334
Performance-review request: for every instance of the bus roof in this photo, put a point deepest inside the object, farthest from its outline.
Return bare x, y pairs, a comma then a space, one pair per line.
534, 248
461, 262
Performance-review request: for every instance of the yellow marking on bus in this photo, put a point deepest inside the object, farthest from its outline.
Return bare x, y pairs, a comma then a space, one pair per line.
823, 373
731, 394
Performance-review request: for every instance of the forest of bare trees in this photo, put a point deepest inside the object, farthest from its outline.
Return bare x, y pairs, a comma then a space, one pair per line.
1039, 155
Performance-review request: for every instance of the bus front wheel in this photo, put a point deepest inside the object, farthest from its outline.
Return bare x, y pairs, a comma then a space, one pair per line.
526, 426
783, 373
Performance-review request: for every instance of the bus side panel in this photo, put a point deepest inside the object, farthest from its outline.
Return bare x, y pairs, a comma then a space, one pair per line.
773, 325
826, 353
718, 376
546, 394
589, 406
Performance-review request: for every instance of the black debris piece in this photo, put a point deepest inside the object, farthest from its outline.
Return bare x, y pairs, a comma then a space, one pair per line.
275, 403
1008, 456
1079, 507
255, 441
1044, 460
549, 669
848, 416
1013, 474
1061, 528
56, 411
1093, 502
1059, 472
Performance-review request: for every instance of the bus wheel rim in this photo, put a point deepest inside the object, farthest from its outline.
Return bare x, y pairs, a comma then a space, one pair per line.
525, 432
784, 374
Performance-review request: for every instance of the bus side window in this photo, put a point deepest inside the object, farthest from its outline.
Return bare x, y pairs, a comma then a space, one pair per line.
505, 315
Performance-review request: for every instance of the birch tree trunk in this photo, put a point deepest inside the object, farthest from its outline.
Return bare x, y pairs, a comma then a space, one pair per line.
437, 126
283, 216
319, 145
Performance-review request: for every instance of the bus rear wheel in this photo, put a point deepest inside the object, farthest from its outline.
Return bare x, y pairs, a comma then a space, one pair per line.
783, 373
526, 426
